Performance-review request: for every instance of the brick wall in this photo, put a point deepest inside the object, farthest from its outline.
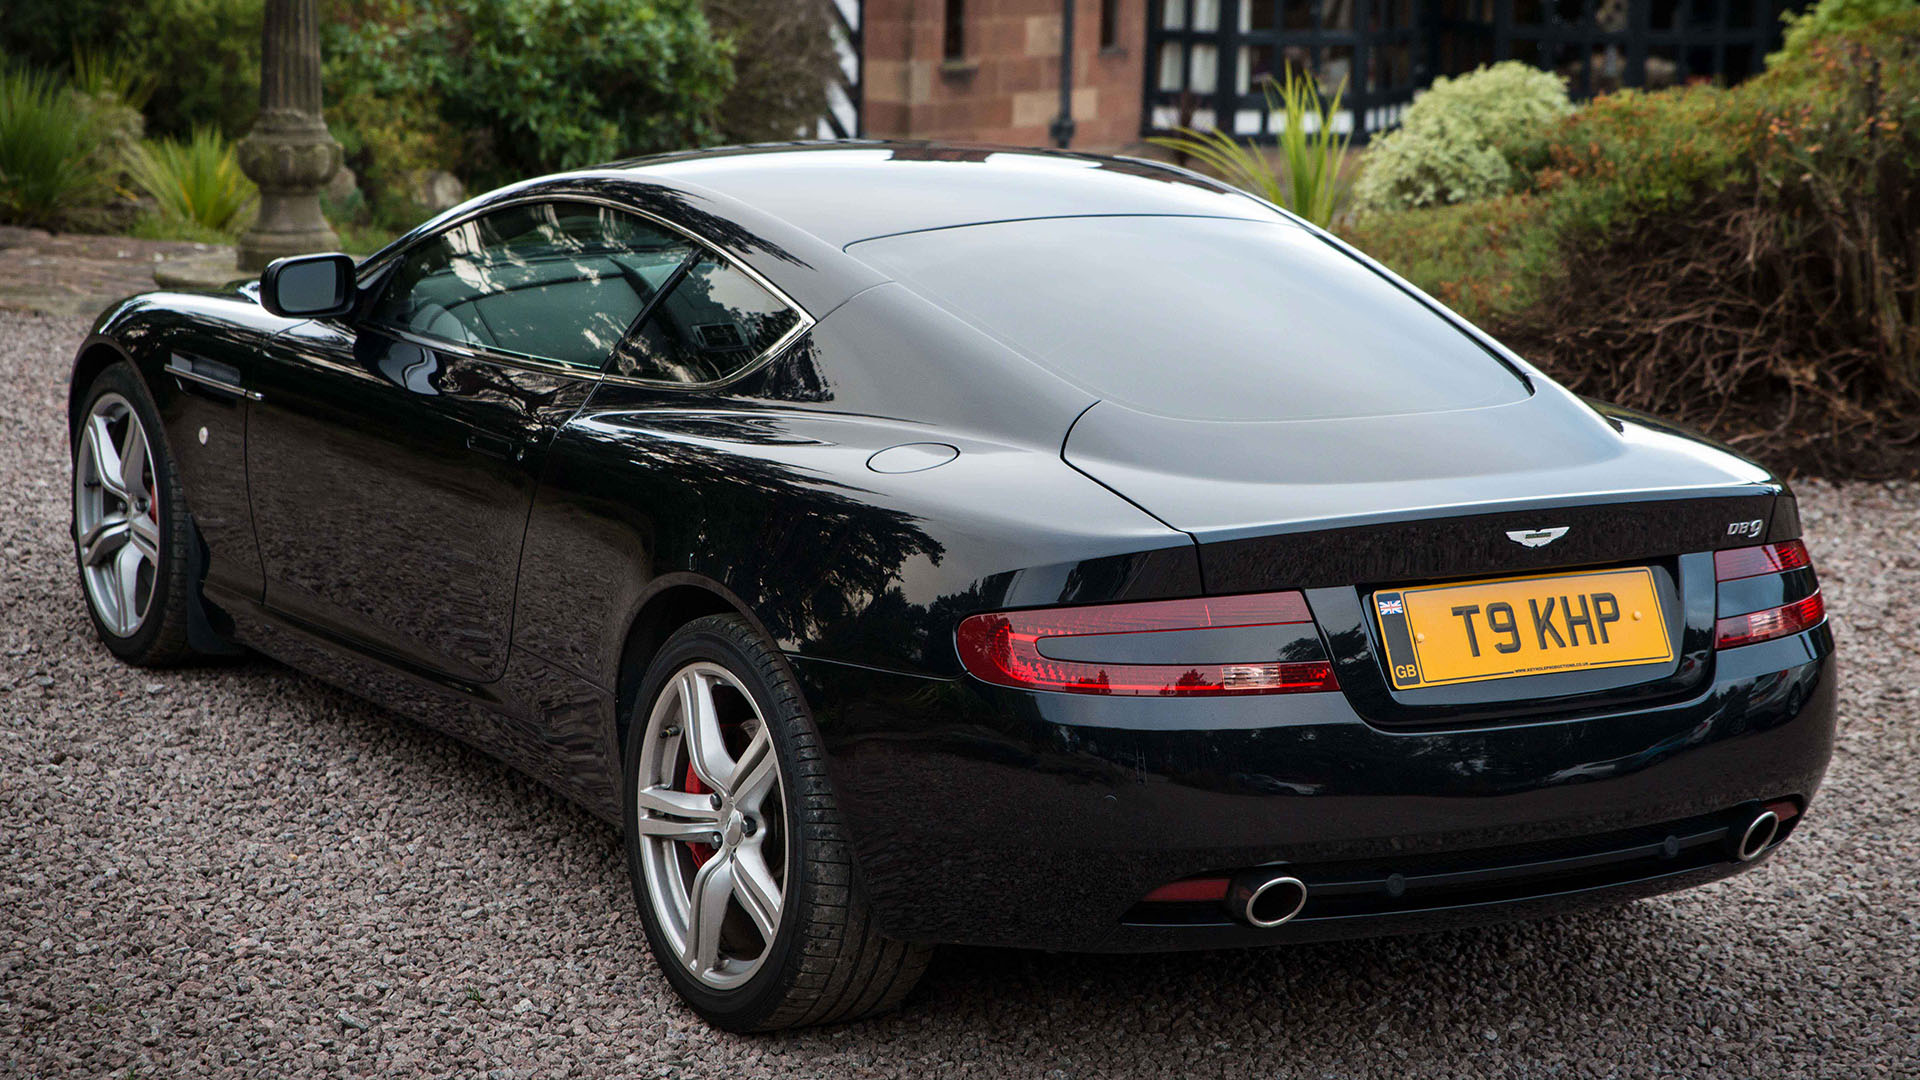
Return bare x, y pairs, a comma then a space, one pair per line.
1005, 85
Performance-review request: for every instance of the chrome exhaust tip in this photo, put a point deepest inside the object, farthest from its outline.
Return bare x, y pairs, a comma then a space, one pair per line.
1759, 834
1266, 900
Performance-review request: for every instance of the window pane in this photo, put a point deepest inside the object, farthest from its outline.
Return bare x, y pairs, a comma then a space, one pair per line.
712, 324
556, 281
1201, 318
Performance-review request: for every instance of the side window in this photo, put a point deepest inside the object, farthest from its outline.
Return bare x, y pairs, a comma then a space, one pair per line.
714, 322
559, 281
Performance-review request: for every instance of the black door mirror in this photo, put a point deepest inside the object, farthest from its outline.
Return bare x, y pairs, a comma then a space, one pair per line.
308, 286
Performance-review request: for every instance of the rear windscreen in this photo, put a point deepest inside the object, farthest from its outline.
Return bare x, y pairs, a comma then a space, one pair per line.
1201, 318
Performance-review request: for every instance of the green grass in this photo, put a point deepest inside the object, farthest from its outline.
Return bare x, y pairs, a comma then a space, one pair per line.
157, 227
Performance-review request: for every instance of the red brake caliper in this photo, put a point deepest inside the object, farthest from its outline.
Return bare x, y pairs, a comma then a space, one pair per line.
700, 852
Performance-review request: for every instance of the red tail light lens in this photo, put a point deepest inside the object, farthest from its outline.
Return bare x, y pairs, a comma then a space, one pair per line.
1739, 564
1769, 624
1766, 559
1004, 649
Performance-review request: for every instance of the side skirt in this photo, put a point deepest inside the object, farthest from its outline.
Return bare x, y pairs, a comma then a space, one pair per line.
538, 718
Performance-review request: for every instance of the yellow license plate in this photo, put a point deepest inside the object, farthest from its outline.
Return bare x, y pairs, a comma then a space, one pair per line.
1440, 634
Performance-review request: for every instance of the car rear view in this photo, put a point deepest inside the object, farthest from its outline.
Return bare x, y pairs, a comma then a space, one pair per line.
1438, 744
1465, 647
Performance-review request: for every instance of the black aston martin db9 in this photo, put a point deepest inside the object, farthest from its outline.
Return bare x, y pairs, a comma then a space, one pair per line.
911, 544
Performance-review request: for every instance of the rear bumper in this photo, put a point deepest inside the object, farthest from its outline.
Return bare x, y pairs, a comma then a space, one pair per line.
994, 817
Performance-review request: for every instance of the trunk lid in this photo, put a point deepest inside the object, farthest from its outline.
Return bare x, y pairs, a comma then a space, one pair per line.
1346, 509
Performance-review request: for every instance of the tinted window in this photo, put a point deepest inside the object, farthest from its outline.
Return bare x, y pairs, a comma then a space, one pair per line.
558, 281
712, 324
1201, 318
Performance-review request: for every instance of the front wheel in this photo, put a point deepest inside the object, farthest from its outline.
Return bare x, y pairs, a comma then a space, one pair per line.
130, 529
739, 863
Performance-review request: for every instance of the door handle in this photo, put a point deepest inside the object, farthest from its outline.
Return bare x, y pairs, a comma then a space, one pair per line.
220, 378
494, 446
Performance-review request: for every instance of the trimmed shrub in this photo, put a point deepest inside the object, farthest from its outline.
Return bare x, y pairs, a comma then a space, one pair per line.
1465, 138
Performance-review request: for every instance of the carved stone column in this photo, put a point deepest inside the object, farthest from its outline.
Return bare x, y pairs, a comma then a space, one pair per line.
289, 152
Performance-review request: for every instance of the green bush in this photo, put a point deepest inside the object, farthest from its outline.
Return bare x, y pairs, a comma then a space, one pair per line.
52, 172
1465, 138
1830, 17
46, 33
199, 59
1746, 259
205, 55
198, 181
535, 85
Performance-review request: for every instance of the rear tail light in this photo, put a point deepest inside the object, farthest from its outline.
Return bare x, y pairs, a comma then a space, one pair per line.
1769, 624
1747, 562
1786, 560
1005, 648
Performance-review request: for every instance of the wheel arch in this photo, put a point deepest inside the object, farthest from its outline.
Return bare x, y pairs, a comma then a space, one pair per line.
669, 602
97, 354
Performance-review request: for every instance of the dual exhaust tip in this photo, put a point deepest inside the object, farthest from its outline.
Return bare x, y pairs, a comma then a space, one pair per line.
1272, 897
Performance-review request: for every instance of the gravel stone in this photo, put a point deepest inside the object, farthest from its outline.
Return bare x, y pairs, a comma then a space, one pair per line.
233, 870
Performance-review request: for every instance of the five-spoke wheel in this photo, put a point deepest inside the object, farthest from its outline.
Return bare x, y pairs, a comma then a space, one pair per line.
710, 812
116, 514
739, 861
131, 533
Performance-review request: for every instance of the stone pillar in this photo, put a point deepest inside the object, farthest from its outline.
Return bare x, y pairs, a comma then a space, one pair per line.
289, 152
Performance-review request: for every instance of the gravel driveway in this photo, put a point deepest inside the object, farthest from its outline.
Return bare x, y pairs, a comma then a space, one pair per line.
238, 871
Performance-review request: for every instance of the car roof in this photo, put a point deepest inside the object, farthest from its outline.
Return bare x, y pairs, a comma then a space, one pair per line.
844, 192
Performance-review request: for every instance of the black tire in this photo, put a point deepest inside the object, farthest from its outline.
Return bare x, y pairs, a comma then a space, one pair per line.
827, 964
161, 638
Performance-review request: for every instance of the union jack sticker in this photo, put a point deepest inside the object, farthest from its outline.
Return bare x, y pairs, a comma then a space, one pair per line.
1392, 607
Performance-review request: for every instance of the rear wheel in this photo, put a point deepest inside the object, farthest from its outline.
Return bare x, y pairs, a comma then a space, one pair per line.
130, 524
739, 864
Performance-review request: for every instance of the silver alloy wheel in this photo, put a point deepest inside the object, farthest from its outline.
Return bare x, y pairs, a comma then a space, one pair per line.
116, 514
711, 821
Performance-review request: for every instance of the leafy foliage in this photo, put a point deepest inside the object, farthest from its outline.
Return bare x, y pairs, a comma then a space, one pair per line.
1467, 137
1747, 259
1307, 179
197, 181
46, 33
1829, 17
205, 55
539, 85
51, 170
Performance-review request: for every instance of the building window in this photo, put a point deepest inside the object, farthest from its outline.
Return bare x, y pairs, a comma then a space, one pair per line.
1109, 24
954, 44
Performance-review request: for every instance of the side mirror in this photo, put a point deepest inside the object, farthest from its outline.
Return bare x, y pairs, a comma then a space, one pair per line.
308, 286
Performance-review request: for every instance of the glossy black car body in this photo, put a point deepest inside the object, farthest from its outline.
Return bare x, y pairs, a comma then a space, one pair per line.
496, 547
